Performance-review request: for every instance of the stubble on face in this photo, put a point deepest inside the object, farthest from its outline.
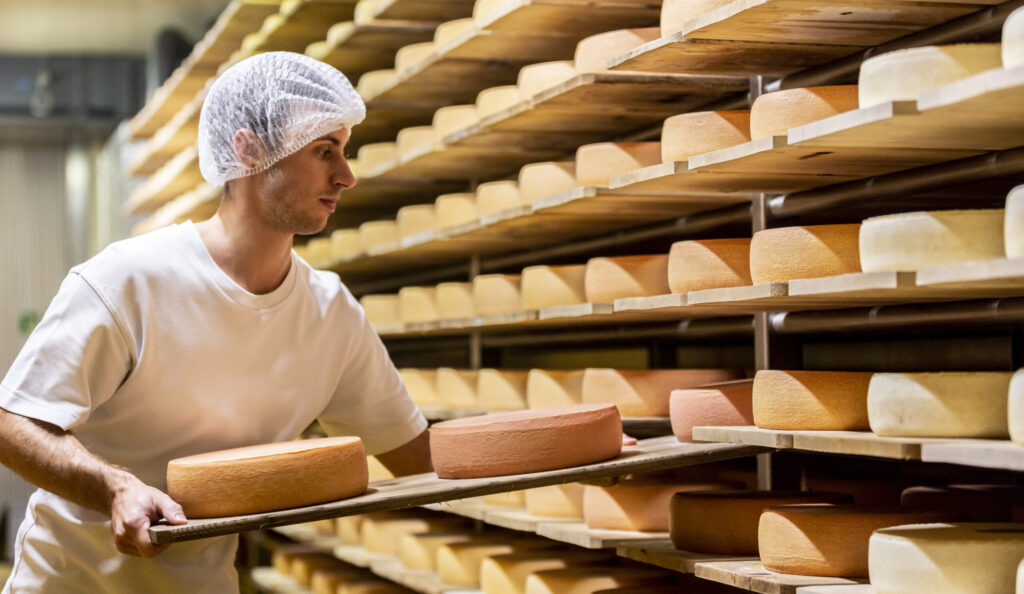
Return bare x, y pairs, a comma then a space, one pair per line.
284, 206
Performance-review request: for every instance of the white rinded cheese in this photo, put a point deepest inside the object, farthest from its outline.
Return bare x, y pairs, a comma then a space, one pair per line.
597, 163
415, 219
497, 196
345, 244
497, 294
914, 240
452, 210
1013, 39
537, 78
538, 180
549, 286
417, 304
594, 52
455, 301
456, 388
945, 404
501, 389
773, 114
421, 385
1013, 229
904, 74
548, 388
496, 99
412, 55
381, 311
689, 134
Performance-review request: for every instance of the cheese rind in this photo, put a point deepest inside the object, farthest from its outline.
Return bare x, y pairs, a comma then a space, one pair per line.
592, 53
811, 400
453, 118
773, 114
902, 75
1015, 407
556, 501
1013, 230
495, 294
789, 253
689, 134
456, 388
377, 155
414, 219
1013, 39
947, 404
501, 389
373, 83
634, 507
547, 178
455, 301
451, 30
411, 140
417, 305
549, 388
345, 244
608, 279
675, 13
909, 241
550, 286
708, 264
645, 393
725, 404
421, 385
376, 234
410, 56
537, 78
496, 100
497, 196
597, 163
381, 311
419, 551
452, 210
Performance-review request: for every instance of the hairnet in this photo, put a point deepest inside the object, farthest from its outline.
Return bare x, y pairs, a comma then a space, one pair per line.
286, 99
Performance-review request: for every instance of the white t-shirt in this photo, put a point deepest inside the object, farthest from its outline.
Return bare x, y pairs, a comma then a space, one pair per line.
150, 352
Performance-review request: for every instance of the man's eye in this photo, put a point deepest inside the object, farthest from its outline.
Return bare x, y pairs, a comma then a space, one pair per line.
325, 153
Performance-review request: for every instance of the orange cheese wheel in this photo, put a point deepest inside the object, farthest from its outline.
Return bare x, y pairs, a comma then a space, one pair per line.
788, 253
708, 264
976, 503
268, 477
828, 540
507, 574
634, 506
774, 114
525, 441
811, 400
689, 134
608, 279
725, 522
645, 392
594, 52
724, 404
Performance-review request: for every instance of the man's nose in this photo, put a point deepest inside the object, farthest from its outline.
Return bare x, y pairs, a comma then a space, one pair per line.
343, 177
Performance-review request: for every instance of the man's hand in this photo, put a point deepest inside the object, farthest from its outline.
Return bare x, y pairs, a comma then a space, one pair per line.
134, 508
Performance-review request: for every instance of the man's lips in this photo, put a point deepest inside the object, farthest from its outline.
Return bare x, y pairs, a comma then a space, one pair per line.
330, 202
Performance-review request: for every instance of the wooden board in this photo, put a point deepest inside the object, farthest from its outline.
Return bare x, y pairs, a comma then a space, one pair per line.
661, 553
984, 453
577, 533
854, 443
982, 107
1000, 275
724, 187
647, 456
575, 311
880, 288
437, 11
519, 519
751, 435
754, 577
578, 19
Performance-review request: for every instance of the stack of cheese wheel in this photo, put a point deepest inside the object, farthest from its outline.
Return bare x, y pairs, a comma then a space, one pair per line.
419, 550
581, 580
456, 388
415, 219
455, 301
497, 196
708, 264
597, 163
556, 501
268, 477
417, 305
551, 286
501, 389
909, 241
377, 235
828, 540
904, 74
722, 404
594, 52
458, 563
547, 178
1014, 407
421, 385
976, 503
947, 404
676, 13
773, 114
636, 503
969, 558
507, 574
725, 522
538, 78
811, 400
345, 244
551, 388
646, 392
1013, 39
608, 279
452, 210
689, 134
381, 532
382, 311
496, 294
788, 253
525, 441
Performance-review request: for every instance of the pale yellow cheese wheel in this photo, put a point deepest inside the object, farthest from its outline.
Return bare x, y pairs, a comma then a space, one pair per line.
594, 52
350, 529
377, 155
508, 499
372, 586
902, 75
496, 100
421, 385
452, 210
914, 240
773, 114
645, 393
708, 264
608, 279
283, 555
497, 196
947, 404
501, 389
689, 134
372, 83
458, 563
597, 163
975, 503
417, 305
304, 567
318, 250
419, 551
456, 388
789, 253
1013, 230
453, 118
378, 472
548, 178
366, 11
550, 286
506, 574
415, 219
411, 140
537, 78
381, 532
550, 388
381, 311
1015, 407
585, 580
345, 244
957, 558
497, 294
412, 55
675, 13
327, 581
811, 400
642, 508
451, 30
483, 9
455, 301
1013, 39
556, 501
340, 31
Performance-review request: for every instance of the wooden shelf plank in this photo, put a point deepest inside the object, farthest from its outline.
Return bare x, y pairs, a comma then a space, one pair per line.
662, 553
519, 519
854, 443
437, 11
577, 533
984, 453
855, 589
1000, 276
178, 176
577, 19
881, 288
766, 438
473, 509
982, 107
754, 577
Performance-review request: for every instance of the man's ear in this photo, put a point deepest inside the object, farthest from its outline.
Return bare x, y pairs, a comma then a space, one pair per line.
248, 148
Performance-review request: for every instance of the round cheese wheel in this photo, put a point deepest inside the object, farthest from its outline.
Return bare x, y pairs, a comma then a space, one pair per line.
904, 74
548, 178
1015, 407
608, 279
376, 234
377, 155
304, 566
506, 574
452, 30
592, 53
411, 140
496, 100
525, 441
417, 304
725, 522
968, 558
550, 286
414, 219
497, 196
372, 586
419, 551
951, 404
282, 556
548, 388
455, 301
495, 294
976, 503
773, 114
412, 55
458, 563
345, 244
789, 253
456, 388
811, 400
452, 210
675, 13
723, 404
584, 580
483, 9
827, 540
421, 385
453, 118
910, 241
1013, 229
373, 83
634, 506
1013, 39
645, 393
537, 78
708, 264
350, 529
689, 134
268, 477
501, 389
378, 472
556, 501
597, 163
366, 11
507, 499
382, 531
381, 310
318, 250
327, 581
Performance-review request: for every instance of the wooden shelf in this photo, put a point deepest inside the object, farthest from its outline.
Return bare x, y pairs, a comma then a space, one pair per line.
662, 553
754, 577
177, 176
983, 453
436, 11
571, 18
853, 443
173, 137
577, 533
299, 24
196, 205
996, 275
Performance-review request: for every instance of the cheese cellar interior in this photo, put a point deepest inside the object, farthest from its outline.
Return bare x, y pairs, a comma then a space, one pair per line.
704, 296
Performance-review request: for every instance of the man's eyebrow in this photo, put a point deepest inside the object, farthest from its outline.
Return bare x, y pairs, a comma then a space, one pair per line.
330, 139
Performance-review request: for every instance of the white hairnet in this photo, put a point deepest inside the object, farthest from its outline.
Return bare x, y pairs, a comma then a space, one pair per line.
286, 99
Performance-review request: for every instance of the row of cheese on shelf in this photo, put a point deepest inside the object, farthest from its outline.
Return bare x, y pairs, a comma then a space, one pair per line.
309, 567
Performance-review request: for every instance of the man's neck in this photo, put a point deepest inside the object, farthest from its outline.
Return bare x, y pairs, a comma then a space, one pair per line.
253, 256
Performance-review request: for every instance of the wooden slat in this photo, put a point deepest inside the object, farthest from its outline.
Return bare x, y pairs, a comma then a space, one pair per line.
662, 553
879, 288
754, 577
984, 453
358, 49
1001, 276
766, 438
177, 176
437, 11
577, 19
577, 533
519, 519
854, 443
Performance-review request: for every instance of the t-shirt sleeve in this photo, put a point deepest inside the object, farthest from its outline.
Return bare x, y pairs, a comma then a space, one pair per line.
72, 362
370, 401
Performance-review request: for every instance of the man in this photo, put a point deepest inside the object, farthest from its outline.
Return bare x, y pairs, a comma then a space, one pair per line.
196, 338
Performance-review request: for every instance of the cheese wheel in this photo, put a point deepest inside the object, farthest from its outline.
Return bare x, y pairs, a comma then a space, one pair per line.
483, 9
377, 155
608, 279
1015, 407
417, 304
708, 264
975, 503
497, 196
525, 441
268, 477
910, 241
345, 244
689, 134
350, 529
452, 210
508, 499
456, 388
593, 53
634, 507
725, 522
675, 13
497, 294
496, 100
501, 389
318, 249
1013, 45
373, 83
827, 540
811, 400
548, 178
773, 114
382, 311
1013, 230
953, 404
902, 75
421, 385
419, 551
411, 140
377, 470
723, 404
452, 30
304, 566
366, 11
372, 586
458, 563
879, 493
644, 393
327, 526
789, 253
537, 78
550, 286
506, 574
453, 118
455, 301
584, 580
376, 234
967, 558
327, 581
414, 219
282, 556
597, 163
548, 389
410, 56
556, 501
382, 531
